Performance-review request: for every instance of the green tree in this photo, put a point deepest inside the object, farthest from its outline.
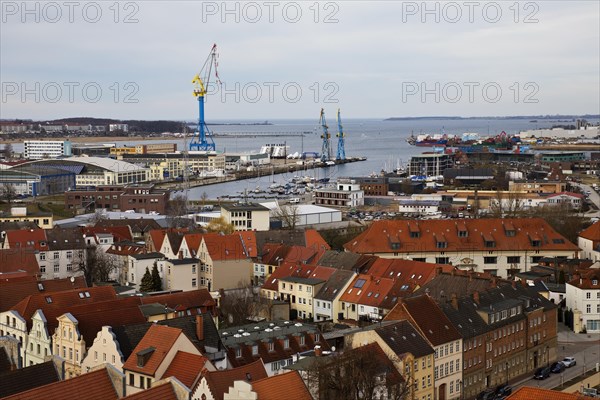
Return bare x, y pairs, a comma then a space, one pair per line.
147, 284
156, 281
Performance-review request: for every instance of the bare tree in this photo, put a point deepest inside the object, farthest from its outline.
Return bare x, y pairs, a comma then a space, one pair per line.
288, 214
506, 205
357, 374
8, 192
237, 304
95, 265
177, 212
7, 152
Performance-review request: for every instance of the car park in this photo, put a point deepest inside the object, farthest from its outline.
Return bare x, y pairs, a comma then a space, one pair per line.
542, 373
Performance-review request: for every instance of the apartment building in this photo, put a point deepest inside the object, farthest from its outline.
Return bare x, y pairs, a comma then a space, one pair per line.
501, 247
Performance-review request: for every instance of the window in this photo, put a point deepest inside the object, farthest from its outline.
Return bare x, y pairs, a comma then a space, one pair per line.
56, 268
194, 282
441, 245
271, 346
42, 256
415, 234
254, 350
442, 260
462, 233
490, 260
56, 255
131, 379
588, 295
513, 259
302, 340
588, 308
490, 244
238, 352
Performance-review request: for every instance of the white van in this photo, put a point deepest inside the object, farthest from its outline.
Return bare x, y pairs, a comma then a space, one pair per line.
294, 200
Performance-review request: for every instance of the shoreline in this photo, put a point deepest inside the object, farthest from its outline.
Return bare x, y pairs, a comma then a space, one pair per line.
92, 139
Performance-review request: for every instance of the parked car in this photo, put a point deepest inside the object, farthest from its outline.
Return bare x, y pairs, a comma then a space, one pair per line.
569, 361
557, 367
503, 391
542, 373
487, 394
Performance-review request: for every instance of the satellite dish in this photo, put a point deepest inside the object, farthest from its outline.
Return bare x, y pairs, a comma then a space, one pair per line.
72, 279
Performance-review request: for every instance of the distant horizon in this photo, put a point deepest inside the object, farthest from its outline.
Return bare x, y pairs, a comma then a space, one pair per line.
269, 120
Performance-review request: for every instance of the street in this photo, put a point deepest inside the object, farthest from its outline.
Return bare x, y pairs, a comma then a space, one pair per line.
586, 351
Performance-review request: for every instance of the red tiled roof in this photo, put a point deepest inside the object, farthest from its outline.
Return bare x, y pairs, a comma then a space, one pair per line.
57, 303
161, 338
428, 317
119, 233
163, 391
219, 382
13, 290
297, 271
570, 194
186, 367
225, 247
376, 238
592, 232
192, 241
314, 239
95, 385
156, 237
18, 259
27, 239
585, 279
288, 385
533, 393
406, 271
249, 241
126, 249
272, 253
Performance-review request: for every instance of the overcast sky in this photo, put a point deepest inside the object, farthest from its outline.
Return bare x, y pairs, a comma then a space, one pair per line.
371, 59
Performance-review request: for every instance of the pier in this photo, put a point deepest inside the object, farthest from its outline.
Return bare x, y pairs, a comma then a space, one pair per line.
277, 166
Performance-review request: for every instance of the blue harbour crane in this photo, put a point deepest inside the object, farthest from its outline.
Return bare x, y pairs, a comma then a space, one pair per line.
341, 151
203, 140
325, 148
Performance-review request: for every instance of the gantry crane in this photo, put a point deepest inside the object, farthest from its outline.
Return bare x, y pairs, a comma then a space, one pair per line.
341, 151
203, 139
325, 149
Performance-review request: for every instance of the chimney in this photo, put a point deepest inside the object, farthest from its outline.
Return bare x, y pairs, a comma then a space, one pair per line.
318, 351
454, 301
200, 327
494, 282
476, 297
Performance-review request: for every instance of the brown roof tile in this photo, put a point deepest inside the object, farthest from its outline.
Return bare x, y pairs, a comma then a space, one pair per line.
376, 239
95, 385
159, 392
592, 232
288, 385
159, 337
225, 247
219, 382
532, 393
14, 290
429, 319
15, 260
186, 367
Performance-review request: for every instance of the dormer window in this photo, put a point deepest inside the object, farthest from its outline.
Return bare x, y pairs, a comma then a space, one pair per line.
441, 245
415, 234
536, 243
463, 233
271, 346
238, 352
510, 232
395, 245
254, 350
286, 343
490, 244
144, 355
595, 282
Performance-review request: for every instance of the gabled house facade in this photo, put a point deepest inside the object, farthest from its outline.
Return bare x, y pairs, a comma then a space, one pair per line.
583, 297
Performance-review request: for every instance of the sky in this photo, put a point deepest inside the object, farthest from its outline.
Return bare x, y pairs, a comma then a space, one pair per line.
286, 59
